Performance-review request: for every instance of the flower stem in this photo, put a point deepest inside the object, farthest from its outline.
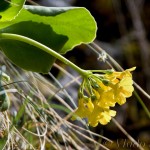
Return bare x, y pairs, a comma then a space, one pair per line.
32, 42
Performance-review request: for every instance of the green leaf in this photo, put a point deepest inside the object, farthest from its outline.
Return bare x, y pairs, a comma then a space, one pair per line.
9, 9
27, 56
61, 29
75, 22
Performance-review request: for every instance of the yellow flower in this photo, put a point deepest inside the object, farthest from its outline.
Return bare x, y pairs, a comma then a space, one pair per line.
100, 115
123, 90
104, 91
93, 118
127, 73
115, 77
124, 87
107, 99
106, 116
94, 113
85, 107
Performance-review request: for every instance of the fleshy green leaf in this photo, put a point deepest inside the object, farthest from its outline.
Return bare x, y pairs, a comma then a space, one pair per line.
61, 29
74, 22
27, 56
9, 9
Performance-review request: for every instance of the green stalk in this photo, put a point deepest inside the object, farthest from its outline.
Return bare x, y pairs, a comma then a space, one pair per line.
27, 40
142, 103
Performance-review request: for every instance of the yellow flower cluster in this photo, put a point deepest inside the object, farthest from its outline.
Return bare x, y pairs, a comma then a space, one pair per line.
99, 92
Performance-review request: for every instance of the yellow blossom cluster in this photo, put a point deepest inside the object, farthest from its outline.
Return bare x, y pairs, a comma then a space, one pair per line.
99, 92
